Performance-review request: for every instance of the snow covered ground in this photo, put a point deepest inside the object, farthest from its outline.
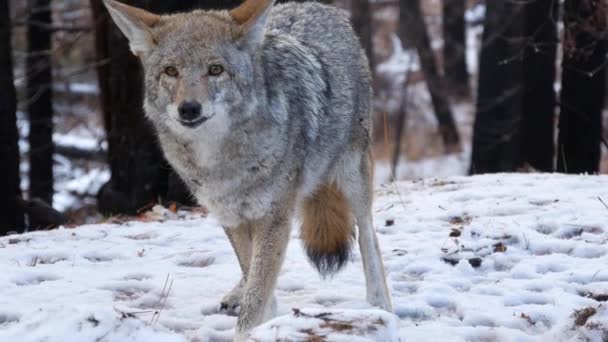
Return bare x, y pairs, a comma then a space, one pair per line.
486, 258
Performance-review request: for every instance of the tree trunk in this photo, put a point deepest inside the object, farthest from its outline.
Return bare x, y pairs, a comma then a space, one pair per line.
39, 83
496, 137
11, 214
412, 29
583, 86
322, 1
134, 155
539, 101
140, 175
454, 48
102, 55
362, 17
401, 119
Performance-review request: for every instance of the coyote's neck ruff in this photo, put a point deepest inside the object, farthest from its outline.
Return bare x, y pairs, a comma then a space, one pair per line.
265, 113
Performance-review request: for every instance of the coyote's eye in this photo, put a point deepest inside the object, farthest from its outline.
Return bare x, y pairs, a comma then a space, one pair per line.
171, 71
216, 70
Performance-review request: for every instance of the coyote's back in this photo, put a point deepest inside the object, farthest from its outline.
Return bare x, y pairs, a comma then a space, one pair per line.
332, 94
341, 117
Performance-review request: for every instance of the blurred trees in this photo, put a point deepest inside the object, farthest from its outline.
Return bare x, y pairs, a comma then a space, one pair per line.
283, 1
516, 101
539, 76
500, 90
11, 213
412, 29
516, 109
454, 48
583, 86
39, 101
362, 23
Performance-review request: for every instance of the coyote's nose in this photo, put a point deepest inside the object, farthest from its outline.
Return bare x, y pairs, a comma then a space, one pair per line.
189, 110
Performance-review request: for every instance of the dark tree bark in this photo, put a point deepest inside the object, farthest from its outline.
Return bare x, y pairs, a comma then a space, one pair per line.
362, 23
11, 213
412, 29
39, 101
140, 175
497, 134
539, 101
401, 119
454, 48
583, 86
322, 1
101, 20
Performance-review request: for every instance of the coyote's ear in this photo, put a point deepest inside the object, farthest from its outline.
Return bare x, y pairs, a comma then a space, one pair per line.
251, 17
136, 24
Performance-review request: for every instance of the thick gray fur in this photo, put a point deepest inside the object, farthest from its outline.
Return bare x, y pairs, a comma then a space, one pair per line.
305, 104
292, 111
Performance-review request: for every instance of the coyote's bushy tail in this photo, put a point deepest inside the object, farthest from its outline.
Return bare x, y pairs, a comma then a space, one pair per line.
327, 229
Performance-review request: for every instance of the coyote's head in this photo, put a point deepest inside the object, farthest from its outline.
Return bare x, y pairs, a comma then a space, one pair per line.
199, 66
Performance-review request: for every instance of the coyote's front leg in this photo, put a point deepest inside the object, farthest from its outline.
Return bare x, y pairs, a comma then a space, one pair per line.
270, 238
240, 239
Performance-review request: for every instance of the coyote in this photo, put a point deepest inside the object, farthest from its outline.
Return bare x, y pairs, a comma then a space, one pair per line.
265, 113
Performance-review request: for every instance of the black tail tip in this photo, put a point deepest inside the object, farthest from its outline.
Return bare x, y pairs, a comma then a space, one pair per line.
329, 263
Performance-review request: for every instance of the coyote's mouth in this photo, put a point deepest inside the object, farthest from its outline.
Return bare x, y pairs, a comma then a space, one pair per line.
196, 122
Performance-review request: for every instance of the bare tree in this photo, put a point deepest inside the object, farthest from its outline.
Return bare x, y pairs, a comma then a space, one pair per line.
412, 29
11, 213
539, 98
101, 24
454, 48
362, 17
583, 86
39, 99
496, 137
323, 1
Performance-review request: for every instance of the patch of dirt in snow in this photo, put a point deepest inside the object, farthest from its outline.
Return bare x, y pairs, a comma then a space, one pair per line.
519, 257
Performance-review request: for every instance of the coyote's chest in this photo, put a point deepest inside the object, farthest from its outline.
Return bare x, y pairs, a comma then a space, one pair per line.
234, 189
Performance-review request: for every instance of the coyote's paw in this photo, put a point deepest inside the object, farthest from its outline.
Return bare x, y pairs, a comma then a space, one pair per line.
231, 302
381, 301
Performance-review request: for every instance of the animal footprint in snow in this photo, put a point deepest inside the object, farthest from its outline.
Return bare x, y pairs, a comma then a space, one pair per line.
35, 278
328, 301
196, 261
153, 301
550, 268
526, 298
7, 318
100, 257
143, 236
137, 276
46, 259
546, 228
128, 290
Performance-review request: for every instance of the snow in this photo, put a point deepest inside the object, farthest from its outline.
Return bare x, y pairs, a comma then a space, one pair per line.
76, 183
399, 63
476, 14
538, 241
77, 88
81, 184
441, 166
79, 141
337, 325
